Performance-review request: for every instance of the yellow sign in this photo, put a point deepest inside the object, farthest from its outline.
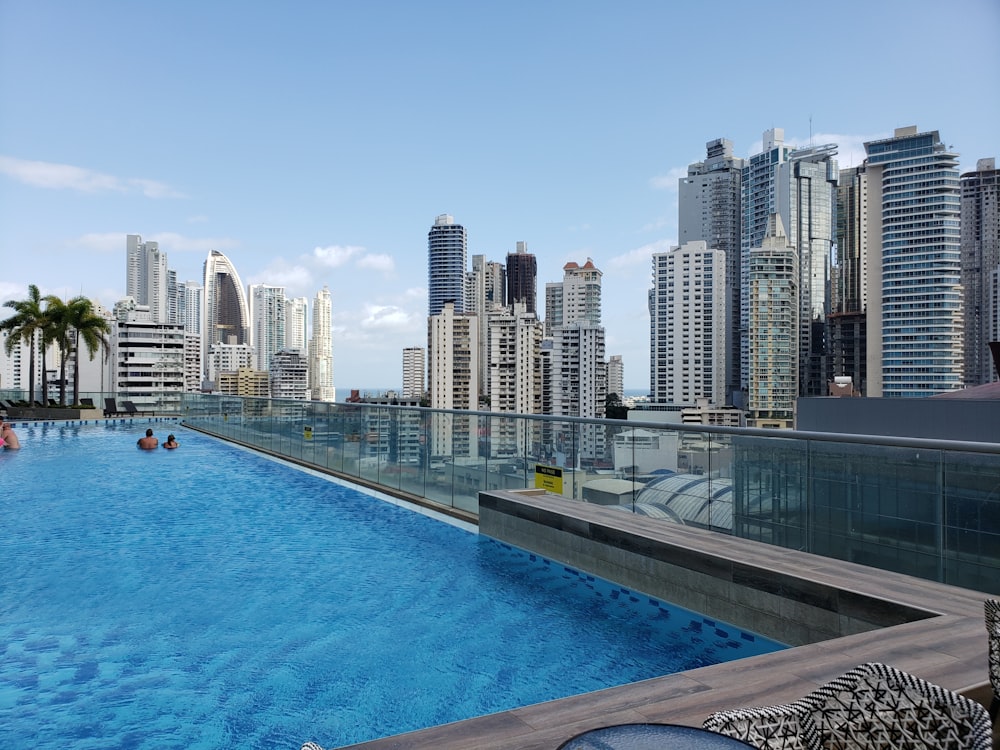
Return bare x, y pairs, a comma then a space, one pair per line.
307, 433
549, 478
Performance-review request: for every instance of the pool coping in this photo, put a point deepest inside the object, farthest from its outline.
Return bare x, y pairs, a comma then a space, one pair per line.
931, 630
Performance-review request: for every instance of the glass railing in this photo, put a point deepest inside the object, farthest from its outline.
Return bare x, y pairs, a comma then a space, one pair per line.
923, 507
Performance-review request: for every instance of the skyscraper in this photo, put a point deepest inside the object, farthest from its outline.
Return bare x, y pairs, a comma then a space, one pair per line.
576, 298
913, 185
146, 276
522, 278
687, 311
807, 201
267, 322
414, 372
981, 269
453, 353
446, 262
296, 323
759, 200
709, 210
774, 317
847, 325
189, 305
321, 349
227, 318
577, 384
515, 337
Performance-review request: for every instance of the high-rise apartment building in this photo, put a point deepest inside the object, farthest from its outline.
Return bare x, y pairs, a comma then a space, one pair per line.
146, 276
453, 367
522, 278
980, 241
414, 370
774, 318
709, 210
759, 200
226, 313
296, 323
149, 360
321, 349
446, 263
189, 305
515, 337
574, 362
913, 188
484, 295
228, 358
579, 388
616, 376
267, 322
577, 298
290, 375
687, 311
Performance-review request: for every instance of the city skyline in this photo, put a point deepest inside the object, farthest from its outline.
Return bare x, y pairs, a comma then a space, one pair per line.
315, 146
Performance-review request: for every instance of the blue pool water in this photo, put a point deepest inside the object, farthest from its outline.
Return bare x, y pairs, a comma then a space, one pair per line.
211, 598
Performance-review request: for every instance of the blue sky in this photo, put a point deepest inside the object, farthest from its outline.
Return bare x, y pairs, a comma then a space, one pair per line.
315, 142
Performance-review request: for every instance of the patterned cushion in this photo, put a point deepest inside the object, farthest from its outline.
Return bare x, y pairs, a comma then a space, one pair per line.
877, 706
783, 727
992, 608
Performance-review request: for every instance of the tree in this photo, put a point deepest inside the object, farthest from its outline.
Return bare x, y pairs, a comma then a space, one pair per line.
614, 408
23, 327
90, 327
68, 323
57, 331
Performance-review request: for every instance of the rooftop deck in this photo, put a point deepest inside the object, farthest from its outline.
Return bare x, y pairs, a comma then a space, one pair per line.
843, 615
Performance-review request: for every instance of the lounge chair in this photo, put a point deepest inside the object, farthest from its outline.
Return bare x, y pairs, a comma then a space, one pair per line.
870, 706
132, 411
111, 408
87, 403
993, 631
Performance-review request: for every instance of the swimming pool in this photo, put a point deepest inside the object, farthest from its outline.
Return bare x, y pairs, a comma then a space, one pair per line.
209, 597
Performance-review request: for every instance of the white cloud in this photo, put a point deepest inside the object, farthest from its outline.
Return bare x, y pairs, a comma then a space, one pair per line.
377, 262
335, 256
102, 242
173, 242
669, 180
297, 280
54, 176
640, 256
385, 317
154, 189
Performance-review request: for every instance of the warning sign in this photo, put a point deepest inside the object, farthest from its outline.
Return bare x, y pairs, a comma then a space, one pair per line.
549, 478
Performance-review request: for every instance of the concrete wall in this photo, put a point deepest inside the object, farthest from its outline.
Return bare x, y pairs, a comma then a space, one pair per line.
933, 418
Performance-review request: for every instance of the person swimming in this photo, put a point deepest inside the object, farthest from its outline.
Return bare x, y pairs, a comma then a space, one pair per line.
8, 438
171, 442
148, 442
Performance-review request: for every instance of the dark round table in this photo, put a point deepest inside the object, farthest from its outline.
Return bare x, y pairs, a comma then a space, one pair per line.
651, 737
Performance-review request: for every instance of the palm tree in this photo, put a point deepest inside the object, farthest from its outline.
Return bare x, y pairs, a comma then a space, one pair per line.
22, 327
68, 323
58, 331
90, 327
